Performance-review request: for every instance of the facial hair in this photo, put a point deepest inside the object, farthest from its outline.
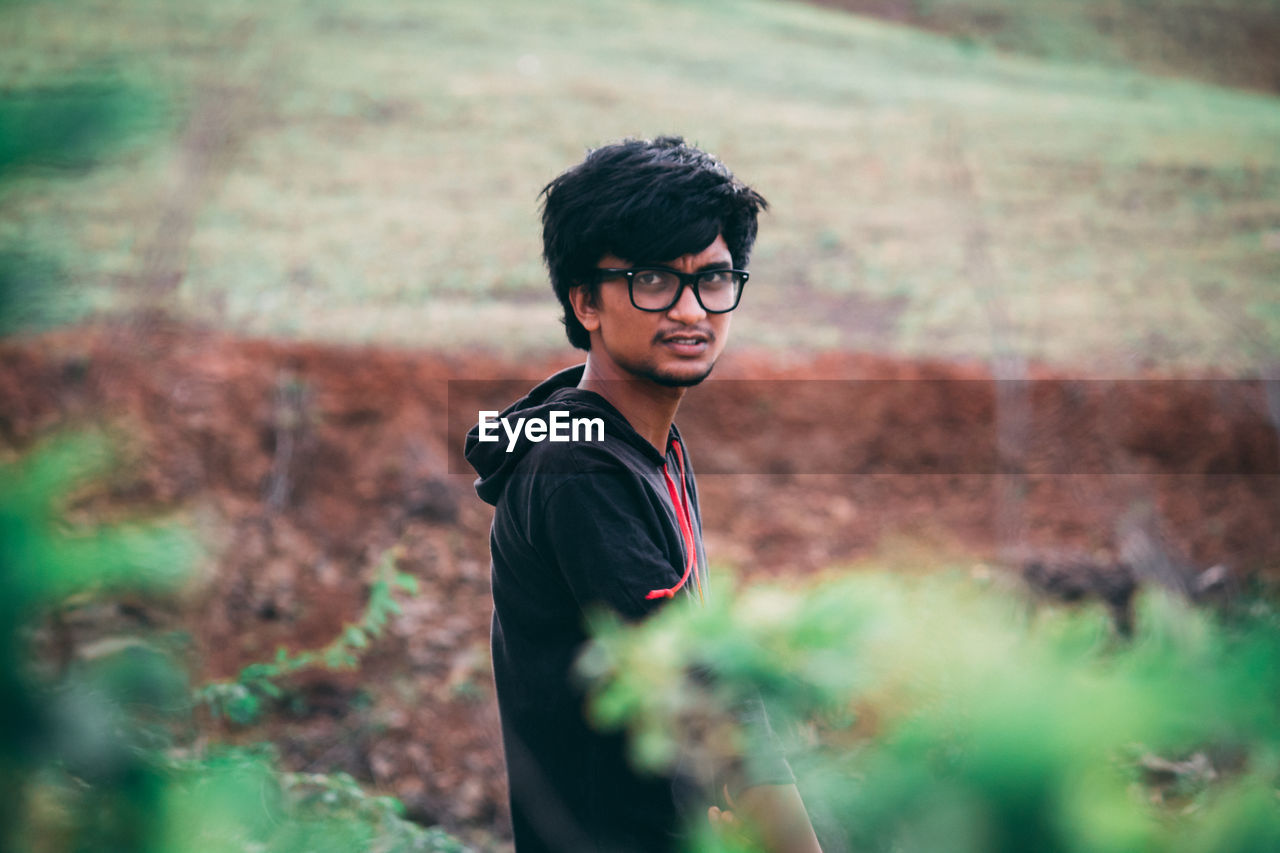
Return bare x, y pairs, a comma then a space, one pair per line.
667, 381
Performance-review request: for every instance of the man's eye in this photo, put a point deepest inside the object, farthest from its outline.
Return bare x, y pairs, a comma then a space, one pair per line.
717, 279
650, 279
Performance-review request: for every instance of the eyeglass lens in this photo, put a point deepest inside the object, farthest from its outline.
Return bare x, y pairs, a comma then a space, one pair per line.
655, 290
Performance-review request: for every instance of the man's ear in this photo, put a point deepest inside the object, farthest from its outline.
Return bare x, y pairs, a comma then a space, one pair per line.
583, 301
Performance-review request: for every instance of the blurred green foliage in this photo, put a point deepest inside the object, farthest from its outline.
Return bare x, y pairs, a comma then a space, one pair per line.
70, 125
81, 730
936, 713
232, 800
78, 730
91, 755
50, 132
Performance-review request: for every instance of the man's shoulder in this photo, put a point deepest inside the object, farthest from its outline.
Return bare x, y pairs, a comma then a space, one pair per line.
555, 481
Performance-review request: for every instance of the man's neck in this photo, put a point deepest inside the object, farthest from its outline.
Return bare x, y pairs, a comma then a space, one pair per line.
649, 407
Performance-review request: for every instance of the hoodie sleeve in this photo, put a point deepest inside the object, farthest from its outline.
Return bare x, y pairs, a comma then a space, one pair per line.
605, 533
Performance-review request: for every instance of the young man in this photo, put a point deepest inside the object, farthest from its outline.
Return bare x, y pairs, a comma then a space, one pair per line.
646, 243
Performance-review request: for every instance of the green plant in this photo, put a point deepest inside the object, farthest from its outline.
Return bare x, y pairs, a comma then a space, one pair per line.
240, 700
87, 761
934, 713
87, 754
80, 732
49, 131
236, 798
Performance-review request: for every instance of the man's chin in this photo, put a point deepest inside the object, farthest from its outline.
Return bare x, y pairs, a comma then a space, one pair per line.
687, 378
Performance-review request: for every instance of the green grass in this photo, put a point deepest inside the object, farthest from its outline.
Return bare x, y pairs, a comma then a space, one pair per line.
385, 160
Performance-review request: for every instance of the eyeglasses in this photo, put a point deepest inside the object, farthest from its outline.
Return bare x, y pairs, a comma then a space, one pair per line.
659, 288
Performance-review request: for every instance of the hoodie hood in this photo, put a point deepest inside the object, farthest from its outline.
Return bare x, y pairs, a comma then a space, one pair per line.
559, 393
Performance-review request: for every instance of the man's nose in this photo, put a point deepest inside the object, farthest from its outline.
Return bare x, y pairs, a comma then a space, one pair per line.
687, 309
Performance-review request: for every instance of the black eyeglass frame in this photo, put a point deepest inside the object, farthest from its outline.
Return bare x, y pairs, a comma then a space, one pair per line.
687, 279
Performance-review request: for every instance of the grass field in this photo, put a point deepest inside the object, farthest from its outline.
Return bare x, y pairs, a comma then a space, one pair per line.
369, 173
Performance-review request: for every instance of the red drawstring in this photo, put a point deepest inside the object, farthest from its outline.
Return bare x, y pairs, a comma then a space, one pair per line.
683, 516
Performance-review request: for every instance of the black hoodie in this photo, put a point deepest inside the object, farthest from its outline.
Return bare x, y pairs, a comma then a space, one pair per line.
579, 525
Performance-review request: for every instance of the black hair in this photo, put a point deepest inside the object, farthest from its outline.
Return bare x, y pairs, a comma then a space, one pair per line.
645, 202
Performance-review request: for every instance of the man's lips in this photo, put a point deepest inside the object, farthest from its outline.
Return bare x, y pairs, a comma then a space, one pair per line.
686, 343
686, 337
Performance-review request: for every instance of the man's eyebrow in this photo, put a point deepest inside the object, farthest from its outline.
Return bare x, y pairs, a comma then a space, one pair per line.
710, 265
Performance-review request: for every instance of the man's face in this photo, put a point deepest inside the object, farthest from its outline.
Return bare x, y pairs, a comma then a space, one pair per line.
675, 348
